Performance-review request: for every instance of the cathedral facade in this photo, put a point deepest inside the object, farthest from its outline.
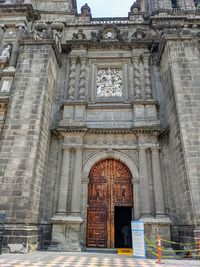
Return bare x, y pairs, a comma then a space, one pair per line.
99, 122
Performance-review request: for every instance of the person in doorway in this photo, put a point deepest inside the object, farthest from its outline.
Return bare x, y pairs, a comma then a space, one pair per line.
125, 231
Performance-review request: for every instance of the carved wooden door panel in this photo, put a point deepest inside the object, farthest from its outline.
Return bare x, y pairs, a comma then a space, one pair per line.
110, 186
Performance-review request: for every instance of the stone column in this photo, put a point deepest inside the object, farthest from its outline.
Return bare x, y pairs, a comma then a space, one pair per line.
76, 191
82, 82
2, 30
147, 78
15, 48
157, 182
136, 198
144, 183
64, 182
137, 83
72, 79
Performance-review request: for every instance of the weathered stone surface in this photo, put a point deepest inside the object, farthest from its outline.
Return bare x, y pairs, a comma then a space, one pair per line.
85, 89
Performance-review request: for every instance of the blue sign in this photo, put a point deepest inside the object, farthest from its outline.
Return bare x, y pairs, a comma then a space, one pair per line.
137, 230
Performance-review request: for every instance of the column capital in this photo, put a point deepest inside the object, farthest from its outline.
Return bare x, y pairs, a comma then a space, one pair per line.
146, 56
67, 148
135, 181
135, 58
139, 148
85, 180
83, 58
155, 149
73, 59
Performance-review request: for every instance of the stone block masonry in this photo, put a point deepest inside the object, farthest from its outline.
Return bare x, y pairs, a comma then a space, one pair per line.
25, 140
182, 73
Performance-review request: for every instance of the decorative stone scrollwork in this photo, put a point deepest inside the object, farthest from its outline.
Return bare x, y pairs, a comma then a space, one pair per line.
72, 78
139, 34
137, 83
147, 79
48, 32
41, 26
57, 26
110, 33
96, 36
82, 83
79, 36
109, 82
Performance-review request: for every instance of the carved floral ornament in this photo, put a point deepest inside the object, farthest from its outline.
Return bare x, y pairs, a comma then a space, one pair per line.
109, 82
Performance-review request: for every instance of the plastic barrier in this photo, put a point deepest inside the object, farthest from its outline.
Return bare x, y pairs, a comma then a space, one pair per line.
157, 249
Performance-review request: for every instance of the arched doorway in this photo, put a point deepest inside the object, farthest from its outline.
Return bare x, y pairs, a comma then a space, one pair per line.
110, 203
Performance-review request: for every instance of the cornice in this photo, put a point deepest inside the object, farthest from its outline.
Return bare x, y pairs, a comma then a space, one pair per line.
44, 42
20, 9
61, 131
88, 44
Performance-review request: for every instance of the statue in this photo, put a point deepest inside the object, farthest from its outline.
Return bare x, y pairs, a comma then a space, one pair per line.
6, 52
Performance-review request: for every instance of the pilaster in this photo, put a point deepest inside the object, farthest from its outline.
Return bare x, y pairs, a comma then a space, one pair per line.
144, 183
64, 183
76, 191
157, 181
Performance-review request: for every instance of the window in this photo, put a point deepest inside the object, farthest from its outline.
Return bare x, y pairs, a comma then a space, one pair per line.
197, 3
174, 3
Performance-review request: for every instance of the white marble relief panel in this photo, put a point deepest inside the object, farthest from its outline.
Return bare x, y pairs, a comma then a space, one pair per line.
109, 82
6, 86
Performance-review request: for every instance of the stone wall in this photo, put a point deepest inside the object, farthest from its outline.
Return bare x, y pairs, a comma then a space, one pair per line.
180, 72
25, 139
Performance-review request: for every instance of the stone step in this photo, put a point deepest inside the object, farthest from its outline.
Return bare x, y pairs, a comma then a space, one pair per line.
102, 250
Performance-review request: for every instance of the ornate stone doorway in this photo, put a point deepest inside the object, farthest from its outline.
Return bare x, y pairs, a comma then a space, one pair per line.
109, 187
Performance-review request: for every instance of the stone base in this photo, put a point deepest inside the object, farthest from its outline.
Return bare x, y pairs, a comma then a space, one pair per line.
157, 226
66, 233
20, 238
185, 233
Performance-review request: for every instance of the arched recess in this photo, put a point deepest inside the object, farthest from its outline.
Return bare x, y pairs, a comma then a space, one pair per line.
130, 163
90, 163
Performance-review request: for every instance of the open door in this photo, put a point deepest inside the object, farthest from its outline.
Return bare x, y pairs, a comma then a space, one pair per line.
110, 187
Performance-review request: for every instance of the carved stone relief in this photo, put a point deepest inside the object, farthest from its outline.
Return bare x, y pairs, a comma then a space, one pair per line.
110, 140
6, 86
109, 82
6, 52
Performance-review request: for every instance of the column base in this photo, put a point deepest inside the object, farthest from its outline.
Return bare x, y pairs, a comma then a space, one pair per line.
157, 226
66, 233
23, 238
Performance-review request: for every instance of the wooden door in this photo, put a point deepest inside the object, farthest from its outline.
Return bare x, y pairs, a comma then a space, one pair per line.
110, 186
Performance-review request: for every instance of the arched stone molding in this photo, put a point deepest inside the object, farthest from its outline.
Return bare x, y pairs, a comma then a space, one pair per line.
131, 165
129, 162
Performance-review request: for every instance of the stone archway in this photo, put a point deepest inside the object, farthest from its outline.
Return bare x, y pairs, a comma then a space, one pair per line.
110, 191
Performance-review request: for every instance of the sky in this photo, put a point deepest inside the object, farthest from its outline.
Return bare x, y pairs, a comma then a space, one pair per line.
107, 8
